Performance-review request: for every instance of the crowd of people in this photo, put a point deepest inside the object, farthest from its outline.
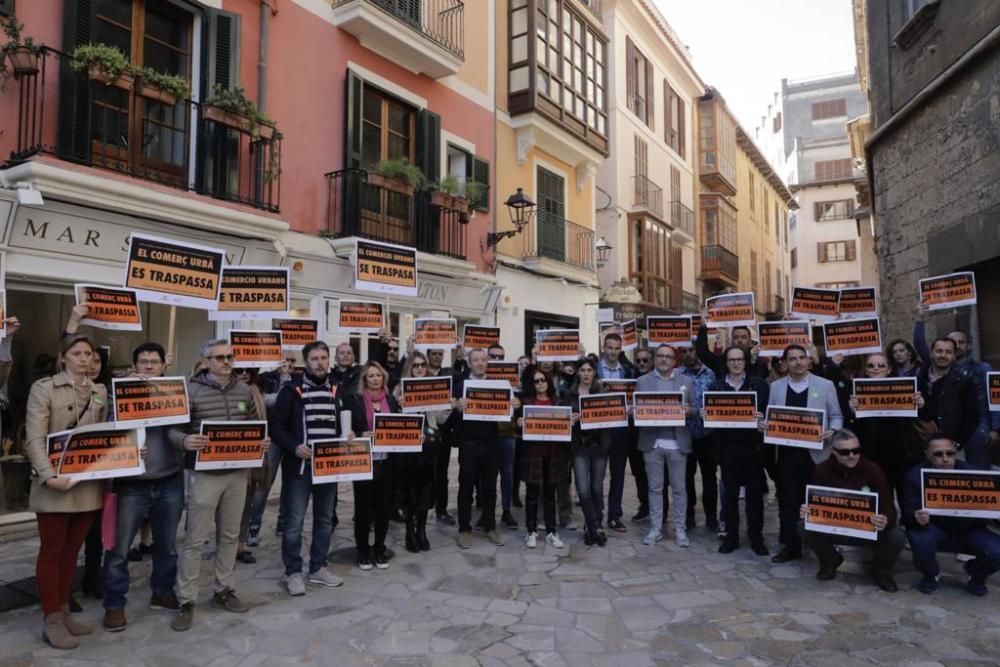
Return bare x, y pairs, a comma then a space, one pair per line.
884, 455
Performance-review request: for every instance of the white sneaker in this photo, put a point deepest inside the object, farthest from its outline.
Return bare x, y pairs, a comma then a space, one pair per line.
531, 541
295, 584
324, 577
682, 538
652, 537
552, 539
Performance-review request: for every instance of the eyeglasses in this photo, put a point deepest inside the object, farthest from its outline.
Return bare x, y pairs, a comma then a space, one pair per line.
419, 365
877, 366
496, 357
944, 453
736, 360
853, 451
643, 360
223, 357
541, 381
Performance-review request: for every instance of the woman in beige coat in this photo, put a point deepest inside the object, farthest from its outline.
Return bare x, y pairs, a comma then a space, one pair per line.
65, 508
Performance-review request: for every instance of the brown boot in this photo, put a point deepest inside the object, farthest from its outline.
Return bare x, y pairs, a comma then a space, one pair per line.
75, 628
54, 631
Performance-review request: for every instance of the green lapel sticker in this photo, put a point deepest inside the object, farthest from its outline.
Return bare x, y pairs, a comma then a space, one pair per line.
241, 406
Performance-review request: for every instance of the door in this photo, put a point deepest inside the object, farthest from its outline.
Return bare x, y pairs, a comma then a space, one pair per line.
551, 215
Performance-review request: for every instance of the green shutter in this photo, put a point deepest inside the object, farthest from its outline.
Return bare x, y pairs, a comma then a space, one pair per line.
429, 144
220, 50
481, 175
352, 127
7, 7
74, 100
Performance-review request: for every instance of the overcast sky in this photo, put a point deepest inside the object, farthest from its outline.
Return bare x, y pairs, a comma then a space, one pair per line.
745, 47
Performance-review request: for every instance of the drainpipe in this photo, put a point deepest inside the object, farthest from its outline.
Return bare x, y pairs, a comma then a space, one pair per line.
265, 16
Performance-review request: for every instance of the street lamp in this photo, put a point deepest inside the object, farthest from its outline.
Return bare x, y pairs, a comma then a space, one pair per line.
521, 210
603, 251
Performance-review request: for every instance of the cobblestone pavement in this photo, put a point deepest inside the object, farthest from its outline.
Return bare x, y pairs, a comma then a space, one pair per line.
626, 604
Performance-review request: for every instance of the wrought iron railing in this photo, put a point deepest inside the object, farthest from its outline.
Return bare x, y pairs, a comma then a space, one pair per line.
716, 259
140, 131
371, 206
690, 303
441, 21
682, 218
648, 195
554, 237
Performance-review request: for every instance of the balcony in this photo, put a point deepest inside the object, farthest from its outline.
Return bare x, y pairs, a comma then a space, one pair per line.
372, 207
779, 305
690, 303
647, 196
552, 239
123, 128
717, 145
424, 36
682, 218
720, 265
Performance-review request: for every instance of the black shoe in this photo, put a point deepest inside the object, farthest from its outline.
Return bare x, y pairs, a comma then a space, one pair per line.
74, 606
712, 525
381, 559
600, 539
422, 541
588, 537
134, 555
411, 536
729, 546
365, 560
396, 516
446, 519
516, 502
786, 555
246, 557
885, 581
617, 526
508, 520
759, 548
828, 571
641, 515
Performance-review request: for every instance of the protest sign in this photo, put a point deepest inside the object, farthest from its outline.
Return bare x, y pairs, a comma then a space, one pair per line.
236, 444
150, 401
337, 460
730, 409
558, 344
630, 336
509, 371
810, 303
774, 337
841, 512
426, 394
399, 434
858, 302
666, 330
296, 332
659, 408
731, 310
993, 391
174, 272
616, 386
255, 349
603, 411
846, 337
477, 336
547, 423
486, 401
361, 316
385, 267
967, 493
97, 451
435, 333
948, 291
112, 308
885, 397
795, 427
252, 293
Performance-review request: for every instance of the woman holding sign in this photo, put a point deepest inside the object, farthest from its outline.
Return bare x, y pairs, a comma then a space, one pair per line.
373, 498
739, 451
416, 471
590, 454
66, 509
544, 464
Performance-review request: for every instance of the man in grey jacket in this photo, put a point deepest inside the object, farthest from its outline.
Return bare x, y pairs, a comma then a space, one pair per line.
666, 446
213, 495
799, 389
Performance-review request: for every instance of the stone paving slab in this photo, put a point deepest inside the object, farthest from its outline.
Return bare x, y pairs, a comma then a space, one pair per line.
623, 605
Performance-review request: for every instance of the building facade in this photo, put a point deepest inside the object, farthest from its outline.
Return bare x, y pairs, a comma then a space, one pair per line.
647, 191
804, 135
933, 158
552, 133
382, 83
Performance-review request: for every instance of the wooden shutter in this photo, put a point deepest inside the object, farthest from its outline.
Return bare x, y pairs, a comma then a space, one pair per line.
821, 252
630, 74
667, 124
220, 50
354, 98
429, 144
7, 7
481, 175
852, 251
74, 100
650, 97
676, 267
680, 127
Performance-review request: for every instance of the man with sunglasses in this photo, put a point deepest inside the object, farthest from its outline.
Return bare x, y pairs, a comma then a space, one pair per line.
930, 534
215, 497
848, 469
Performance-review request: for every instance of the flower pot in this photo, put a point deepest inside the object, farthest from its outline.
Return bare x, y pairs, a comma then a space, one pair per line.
151, 92
393, 184
125, 81
227, 118
23, 60
265, 131
452, 203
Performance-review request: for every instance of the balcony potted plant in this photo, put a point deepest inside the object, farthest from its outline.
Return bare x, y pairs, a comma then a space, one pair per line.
104, 63
22, 52
445, 195
232, 108
165, 88
397, 174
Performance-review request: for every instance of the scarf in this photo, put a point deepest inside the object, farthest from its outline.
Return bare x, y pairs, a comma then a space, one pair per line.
373, 400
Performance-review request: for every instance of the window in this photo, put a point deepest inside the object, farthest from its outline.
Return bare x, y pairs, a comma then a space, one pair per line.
849, 283
777, 222
832, 170
764, 208
718, 223
829, 109
836, 251
777, 286
6, 7
794, 256
776, 123
754, 287
788, 286
752, 189
387, 129
842, 209
466, 168
639, 83
641, 157
551, 215
673, 119
654, 263
768, 287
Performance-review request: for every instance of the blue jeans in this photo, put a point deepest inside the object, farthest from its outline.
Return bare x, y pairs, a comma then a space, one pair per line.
589, 464
928, 540
259, 500
507, 450
162, 501
295, 493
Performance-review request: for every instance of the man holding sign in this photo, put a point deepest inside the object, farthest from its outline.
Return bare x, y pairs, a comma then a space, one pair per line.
799, 389
930, 534
214, 496
848, 469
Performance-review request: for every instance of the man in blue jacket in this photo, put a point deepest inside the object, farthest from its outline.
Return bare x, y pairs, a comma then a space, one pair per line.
930, 534
307, 409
